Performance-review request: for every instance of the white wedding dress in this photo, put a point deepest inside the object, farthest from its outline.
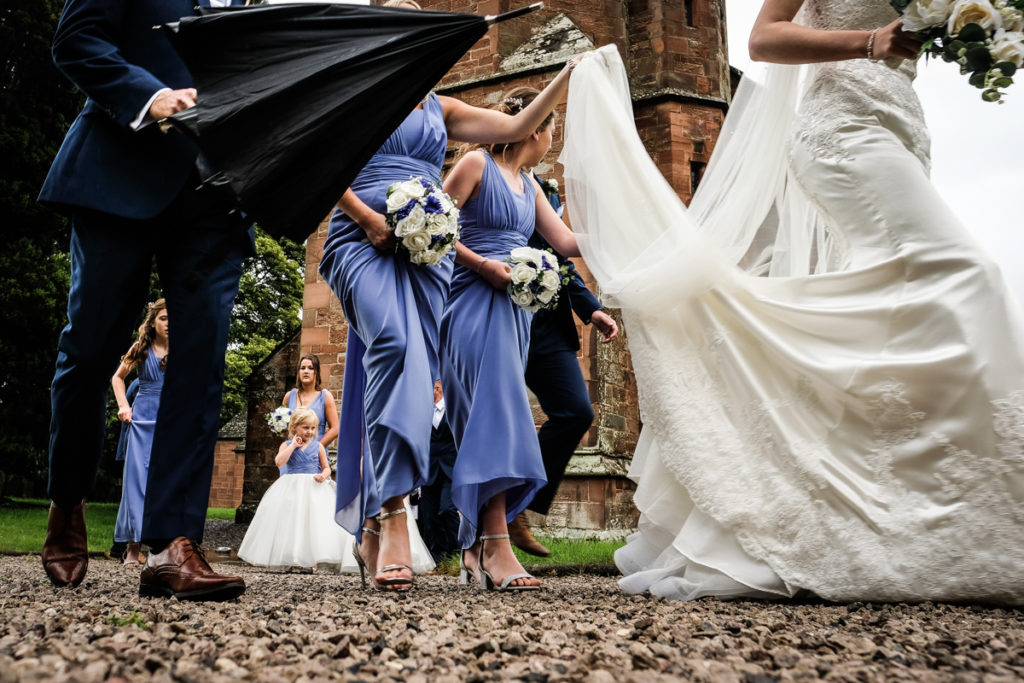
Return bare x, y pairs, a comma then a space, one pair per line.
831, 371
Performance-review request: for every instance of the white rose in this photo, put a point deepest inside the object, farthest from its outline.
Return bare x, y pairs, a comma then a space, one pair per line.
1009, 49
979, 12
397, 199
526, 254
414, 188
430, 257
545, 296
453, 222
924, 14
417, 241
437, 224
414, 222
525, 299
522, 274
550, 280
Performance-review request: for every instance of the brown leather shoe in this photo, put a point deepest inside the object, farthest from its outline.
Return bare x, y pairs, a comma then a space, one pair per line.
519, 534
181, 571
66, 548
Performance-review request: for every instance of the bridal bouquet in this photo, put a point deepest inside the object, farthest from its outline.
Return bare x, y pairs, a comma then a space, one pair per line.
424, 219
536, 278
278, 419
985, 37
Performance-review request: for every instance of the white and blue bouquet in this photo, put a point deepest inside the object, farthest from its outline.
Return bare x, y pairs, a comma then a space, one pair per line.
536, 278
985, 37
278, 419
425, 220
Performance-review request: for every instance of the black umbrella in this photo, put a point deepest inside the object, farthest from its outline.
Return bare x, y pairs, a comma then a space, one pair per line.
294, 99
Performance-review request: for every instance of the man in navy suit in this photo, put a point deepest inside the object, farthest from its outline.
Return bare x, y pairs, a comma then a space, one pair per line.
553, 375
132, 195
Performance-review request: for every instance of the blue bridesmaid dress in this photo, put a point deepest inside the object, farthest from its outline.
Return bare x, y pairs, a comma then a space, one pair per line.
484, 343
394, 310
317, 406
128, 527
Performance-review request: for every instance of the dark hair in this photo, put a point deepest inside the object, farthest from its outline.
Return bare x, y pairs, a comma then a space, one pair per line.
514, 101
316, 370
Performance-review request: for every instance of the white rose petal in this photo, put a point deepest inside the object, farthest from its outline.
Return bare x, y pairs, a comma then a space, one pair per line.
1009, 49
414, 222
550, 280
979, 12
437, 224
520, 254
525, 299
546, 296
414, 188
522, 274
923, 14
417, 241
397, 199
1013, 19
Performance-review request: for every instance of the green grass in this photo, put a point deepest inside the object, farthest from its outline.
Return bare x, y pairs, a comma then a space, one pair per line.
23, 524
564, 552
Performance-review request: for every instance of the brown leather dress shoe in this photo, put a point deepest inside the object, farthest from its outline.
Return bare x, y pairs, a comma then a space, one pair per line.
66, 548
181, 571
519, 534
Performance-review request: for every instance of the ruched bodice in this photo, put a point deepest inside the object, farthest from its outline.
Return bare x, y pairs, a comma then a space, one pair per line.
858, 88
303, 461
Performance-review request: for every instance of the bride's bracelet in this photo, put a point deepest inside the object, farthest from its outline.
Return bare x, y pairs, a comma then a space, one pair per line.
871, 46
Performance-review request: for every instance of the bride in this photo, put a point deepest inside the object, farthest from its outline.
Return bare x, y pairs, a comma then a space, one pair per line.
831, 371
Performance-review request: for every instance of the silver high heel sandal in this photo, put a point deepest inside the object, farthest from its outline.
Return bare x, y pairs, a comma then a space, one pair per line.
361, 563
394, 584
487, 583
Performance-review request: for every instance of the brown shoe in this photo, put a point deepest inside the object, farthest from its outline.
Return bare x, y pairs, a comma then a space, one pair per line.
519, 534
66, 548
181, 571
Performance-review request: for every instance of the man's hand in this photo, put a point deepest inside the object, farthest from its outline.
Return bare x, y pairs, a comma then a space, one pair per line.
605, 324
171, 102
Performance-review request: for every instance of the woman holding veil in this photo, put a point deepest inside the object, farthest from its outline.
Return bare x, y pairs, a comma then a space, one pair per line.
830, 369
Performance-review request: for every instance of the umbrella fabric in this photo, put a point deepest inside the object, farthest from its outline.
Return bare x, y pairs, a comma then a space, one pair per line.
295, 99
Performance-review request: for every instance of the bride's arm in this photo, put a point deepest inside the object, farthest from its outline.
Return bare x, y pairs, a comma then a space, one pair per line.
775, 38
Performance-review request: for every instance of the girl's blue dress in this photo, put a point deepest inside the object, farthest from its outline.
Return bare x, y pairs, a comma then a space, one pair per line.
128, 527
484, 343
317, 406
393, 308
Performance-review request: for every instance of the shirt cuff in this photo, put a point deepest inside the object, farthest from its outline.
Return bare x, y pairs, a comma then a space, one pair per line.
143, 118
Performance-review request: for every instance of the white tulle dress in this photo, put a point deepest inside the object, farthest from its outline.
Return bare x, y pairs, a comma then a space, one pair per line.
294, 524
831, 372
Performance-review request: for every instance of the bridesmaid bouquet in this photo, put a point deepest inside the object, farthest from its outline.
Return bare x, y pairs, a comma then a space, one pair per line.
278, 419
424, 219
985, 37
536, 278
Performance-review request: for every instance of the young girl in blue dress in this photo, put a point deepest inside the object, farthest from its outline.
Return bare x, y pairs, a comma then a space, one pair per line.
149, 355
309, 393
484, 343
393, 308
293, 524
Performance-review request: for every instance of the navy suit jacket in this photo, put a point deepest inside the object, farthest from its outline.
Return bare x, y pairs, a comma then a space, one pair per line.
555, 329
110, 50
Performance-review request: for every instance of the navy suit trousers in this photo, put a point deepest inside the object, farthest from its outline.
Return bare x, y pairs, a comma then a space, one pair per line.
111, 261
554, 376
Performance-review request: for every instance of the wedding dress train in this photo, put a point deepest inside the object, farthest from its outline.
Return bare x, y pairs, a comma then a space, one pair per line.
830, 370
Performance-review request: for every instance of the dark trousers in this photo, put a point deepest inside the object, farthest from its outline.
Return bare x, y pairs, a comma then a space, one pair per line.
438, 518
554, 377
111, 260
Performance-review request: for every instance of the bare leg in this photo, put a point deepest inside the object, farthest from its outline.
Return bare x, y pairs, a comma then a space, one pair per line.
131, 555
498, 558
394, 544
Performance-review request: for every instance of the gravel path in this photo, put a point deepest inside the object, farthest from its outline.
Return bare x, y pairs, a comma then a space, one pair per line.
581, 628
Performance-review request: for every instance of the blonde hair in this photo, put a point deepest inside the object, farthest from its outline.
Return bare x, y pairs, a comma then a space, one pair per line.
147, 335
299, 417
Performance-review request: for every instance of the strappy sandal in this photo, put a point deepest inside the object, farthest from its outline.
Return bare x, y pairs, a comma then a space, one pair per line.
487, 583
129, 564
394, 584
361, 563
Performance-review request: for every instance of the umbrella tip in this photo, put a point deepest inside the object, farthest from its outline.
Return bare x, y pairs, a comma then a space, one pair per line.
493, 19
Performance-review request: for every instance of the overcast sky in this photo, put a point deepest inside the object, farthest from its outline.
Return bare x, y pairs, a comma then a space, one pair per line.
977, 148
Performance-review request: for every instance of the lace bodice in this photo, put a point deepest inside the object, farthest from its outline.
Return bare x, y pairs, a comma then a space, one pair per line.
859, 88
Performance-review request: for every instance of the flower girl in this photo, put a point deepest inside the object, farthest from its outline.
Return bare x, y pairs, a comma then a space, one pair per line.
294, 523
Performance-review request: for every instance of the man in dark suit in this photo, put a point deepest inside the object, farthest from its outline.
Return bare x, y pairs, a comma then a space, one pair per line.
131, 192
553, 375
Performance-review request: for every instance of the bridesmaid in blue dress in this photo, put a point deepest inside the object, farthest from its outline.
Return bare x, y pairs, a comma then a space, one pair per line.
484, 342
149, 355
393, 308
308, 393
